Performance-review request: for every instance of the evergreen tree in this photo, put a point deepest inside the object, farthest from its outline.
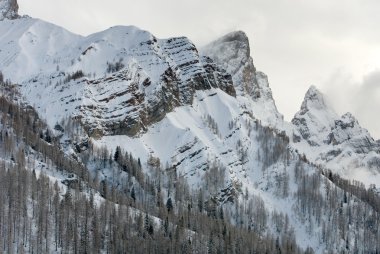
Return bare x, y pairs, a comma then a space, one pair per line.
169, 205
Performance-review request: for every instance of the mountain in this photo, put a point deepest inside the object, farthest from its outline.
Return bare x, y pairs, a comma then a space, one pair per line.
337, 142
232, 53
170, 146
145, 77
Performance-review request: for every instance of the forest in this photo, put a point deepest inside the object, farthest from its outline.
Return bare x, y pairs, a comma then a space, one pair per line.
83, 214
55, 202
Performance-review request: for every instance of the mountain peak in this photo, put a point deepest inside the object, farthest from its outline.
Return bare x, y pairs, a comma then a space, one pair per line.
313, 99
349, 118
8, 9
315, 119
237, 37
231, 51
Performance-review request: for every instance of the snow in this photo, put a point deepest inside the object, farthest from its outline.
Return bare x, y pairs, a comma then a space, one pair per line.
184, 126
336, 142
232, 53
39, 55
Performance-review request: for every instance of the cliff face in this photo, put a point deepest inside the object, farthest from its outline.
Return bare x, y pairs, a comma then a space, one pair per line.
8, 9
118, 81
144, 90
232, 53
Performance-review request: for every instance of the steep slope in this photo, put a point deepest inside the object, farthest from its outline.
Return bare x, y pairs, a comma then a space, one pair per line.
337, 142
315, 119
31, 48
52, 202
203, 127
118, 81
242, 163
232, 53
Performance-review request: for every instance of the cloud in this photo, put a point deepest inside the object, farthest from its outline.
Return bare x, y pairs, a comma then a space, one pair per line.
367, 102
362, 98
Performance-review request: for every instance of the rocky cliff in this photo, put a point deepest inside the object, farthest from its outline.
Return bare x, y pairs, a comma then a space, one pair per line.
232, 53
118, 81
8, 9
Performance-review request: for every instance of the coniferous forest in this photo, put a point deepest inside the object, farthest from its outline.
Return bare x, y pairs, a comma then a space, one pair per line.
135, 212
83, 214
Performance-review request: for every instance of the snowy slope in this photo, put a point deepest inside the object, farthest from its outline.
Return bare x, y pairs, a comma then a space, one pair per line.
118, 81
160, 98
30, 47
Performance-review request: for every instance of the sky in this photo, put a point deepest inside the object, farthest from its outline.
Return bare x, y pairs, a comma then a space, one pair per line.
334, 45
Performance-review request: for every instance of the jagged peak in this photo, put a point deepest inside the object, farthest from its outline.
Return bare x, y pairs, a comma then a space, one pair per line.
262, 75
231, 51
347, 121
8, 9
313, 99
235, 36
348, 117
313, 92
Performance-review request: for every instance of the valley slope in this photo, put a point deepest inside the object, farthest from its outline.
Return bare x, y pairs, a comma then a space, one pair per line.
203, 117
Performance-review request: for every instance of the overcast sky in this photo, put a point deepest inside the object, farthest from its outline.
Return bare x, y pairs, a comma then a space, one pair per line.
334, 45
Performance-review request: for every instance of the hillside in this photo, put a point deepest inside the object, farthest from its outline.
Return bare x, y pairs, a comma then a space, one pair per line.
172, 146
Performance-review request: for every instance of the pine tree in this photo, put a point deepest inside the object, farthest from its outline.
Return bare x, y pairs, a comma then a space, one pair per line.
133, 194
117, 154
169, 205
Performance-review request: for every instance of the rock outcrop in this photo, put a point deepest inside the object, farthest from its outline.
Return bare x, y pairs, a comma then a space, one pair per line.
118, 81
232, 53
146, 91
8, 9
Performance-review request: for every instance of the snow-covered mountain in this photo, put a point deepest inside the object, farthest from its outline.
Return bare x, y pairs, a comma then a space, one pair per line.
232, 53
118, 81
205, 114
337, 142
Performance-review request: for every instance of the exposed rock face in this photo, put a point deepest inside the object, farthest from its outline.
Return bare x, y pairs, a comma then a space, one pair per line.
127, 109
142, 99
195, 72
232, 53
129, 79
8, 9
347, 130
